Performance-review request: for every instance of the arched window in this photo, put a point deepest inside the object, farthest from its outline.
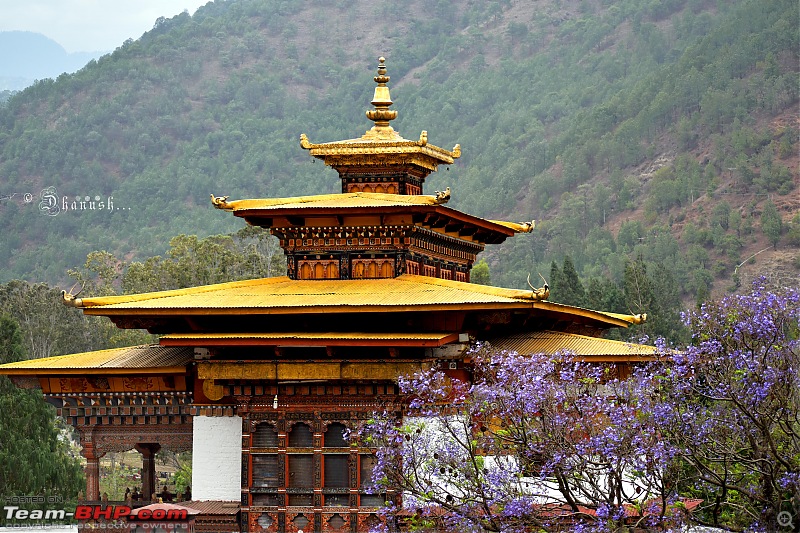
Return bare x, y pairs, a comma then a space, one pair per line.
265, 436
301, 436
334, 436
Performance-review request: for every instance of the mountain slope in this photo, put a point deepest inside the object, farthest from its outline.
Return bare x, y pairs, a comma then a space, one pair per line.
611, 125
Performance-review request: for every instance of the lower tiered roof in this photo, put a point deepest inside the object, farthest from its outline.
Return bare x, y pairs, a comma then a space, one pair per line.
281, 295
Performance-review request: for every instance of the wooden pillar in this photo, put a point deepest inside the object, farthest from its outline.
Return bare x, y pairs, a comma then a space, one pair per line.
148, 452
92, 471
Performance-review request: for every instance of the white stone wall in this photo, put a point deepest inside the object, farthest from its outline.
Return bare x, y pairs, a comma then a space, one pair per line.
217, 458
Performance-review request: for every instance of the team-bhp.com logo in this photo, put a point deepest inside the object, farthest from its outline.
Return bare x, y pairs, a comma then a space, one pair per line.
118, 512
96, 512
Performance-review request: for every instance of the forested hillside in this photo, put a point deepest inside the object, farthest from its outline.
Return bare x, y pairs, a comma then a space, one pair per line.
653, 141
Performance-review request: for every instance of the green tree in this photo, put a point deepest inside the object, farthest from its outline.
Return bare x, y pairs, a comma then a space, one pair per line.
35, 458
183, 475
651, 289
605, 295
480, 273
11, 348
555, 279
191, 261
566, 287
638, 290
629, 234
48, 328
794, 231
771, 223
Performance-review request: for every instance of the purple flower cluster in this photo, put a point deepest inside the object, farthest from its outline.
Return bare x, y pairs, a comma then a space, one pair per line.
545, 442
730, 405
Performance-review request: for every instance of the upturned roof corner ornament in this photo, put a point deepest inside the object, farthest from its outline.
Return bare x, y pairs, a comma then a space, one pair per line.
442, 197
69, 299
542, 293
220, 202
528, 227
641, 318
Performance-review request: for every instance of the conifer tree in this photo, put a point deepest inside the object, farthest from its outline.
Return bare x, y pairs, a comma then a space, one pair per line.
771, 223
573, 291
566, 286
638, 289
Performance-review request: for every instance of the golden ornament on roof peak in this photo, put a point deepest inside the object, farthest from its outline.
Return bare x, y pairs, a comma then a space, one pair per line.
382, 146
382, 100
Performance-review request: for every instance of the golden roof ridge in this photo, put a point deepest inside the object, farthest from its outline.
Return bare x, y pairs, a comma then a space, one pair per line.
417, 199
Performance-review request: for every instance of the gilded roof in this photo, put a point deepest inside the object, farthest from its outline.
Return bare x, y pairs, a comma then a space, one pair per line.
154, 357
332, 201
282, 292
369, 201
551, 342
338, 152
281, 295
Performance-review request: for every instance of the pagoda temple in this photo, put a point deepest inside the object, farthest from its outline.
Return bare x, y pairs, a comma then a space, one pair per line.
261, 379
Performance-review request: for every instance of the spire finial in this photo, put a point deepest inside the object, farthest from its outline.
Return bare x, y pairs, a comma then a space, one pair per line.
382, 100
381, 79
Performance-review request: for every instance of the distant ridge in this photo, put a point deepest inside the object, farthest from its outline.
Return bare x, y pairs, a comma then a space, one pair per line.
26, 56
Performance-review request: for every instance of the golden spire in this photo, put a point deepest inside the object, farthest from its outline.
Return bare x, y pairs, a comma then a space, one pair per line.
382, 100
381, 146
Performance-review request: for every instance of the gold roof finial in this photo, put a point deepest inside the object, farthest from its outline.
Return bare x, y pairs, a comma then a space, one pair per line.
381, 145
382, 100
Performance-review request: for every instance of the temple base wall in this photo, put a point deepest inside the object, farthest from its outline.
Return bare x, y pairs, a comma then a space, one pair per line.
217, 458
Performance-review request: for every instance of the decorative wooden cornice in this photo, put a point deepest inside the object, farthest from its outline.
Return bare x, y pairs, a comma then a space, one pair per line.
298, 370
122, 409
101, 438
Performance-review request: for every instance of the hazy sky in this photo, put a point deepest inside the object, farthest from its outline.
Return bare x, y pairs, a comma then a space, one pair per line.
89, 25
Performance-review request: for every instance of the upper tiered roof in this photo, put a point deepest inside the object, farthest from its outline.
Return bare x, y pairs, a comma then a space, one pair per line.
382, 147
388, 210
381, 225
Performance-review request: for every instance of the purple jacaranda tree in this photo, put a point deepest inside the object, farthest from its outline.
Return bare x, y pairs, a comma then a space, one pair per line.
545, 443
730, 405
532, 443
